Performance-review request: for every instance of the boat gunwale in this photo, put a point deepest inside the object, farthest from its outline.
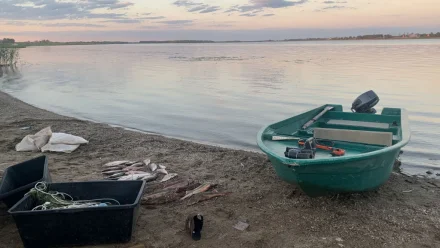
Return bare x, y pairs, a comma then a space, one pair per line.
406, 135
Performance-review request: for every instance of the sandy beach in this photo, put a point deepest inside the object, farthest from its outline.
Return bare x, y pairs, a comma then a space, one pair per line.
402, 213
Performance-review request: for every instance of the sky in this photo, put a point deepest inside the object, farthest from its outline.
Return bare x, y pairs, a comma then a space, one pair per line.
134, 20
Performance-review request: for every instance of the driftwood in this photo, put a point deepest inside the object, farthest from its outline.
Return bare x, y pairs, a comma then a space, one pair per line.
171, 193
158, 193
207, 196
198, 190
161, 198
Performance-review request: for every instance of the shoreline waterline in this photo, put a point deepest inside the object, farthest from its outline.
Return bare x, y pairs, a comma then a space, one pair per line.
200, 142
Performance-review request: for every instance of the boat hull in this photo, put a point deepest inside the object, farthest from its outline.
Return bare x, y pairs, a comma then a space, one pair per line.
337, 178
363, 168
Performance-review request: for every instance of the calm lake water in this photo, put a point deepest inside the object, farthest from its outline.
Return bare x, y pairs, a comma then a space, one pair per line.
224, 93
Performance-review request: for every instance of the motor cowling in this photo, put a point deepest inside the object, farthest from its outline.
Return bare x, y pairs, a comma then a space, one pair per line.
365, 103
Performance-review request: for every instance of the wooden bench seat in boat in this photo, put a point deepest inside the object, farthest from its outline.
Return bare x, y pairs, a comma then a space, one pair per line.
357, 136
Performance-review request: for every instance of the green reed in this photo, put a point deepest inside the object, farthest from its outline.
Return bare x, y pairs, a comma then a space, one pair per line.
8, 56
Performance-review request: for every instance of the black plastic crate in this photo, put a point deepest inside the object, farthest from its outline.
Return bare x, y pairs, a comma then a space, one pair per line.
20, 178
81, 226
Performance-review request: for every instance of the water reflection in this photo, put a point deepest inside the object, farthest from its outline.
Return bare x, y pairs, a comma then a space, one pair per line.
224, 93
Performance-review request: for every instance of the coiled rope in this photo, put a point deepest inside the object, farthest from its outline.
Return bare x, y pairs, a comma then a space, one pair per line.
60, 200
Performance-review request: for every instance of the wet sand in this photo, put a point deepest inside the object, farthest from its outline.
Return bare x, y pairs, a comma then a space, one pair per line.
402, 213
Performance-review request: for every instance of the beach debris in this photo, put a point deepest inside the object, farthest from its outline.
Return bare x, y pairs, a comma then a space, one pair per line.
117, 175
125, 170
429, 172
111, 172
134, 177
162, 171
152, 167
134, 172
208, 196
25, 128
339, 239
116, 163
130, 163
161, 198
113, 168
169, 177
150, 178
194, 226
162, 193
407, 191
433, 184
137, 164
147, 161
47, 141
59, 148
132, 168
438, 174
34, 143
241, 225
200, 189
171, 191
177, 185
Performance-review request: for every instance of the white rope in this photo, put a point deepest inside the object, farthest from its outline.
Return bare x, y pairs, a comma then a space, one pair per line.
41, 187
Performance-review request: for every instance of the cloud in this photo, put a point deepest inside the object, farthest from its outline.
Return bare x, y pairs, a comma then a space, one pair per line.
120, 5
20, 23
198, 8
263, 4
73, 25
338, 7
124, 21
185, 3
153, 18
248, 14
277, 3
16, 23
57, 10
150, 27
176, 22
333, 2
210, 9
221, 25
231, 10
192, 6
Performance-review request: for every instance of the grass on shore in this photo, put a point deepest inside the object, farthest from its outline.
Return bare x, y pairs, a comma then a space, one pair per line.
8, 56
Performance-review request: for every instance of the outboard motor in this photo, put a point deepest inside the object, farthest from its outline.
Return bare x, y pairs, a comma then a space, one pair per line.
365, 103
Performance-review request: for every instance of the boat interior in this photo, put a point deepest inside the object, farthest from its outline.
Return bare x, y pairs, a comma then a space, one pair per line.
353, 132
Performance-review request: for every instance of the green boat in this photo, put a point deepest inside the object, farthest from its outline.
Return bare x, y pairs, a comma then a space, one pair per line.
371, 142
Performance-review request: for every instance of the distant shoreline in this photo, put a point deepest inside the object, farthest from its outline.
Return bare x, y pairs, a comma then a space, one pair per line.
22, 45
263, 41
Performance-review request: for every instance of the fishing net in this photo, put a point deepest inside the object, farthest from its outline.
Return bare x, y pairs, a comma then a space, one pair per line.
46, 200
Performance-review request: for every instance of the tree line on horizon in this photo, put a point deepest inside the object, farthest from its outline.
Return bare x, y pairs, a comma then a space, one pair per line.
381, 36
10, 42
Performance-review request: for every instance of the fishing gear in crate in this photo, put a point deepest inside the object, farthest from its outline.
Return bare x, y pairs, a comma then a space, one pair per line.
47, 200
307, 148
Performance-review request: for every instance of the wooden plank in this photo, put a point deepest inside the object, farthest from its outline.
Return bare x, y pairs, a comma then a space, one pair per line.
359, 123
357, 136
